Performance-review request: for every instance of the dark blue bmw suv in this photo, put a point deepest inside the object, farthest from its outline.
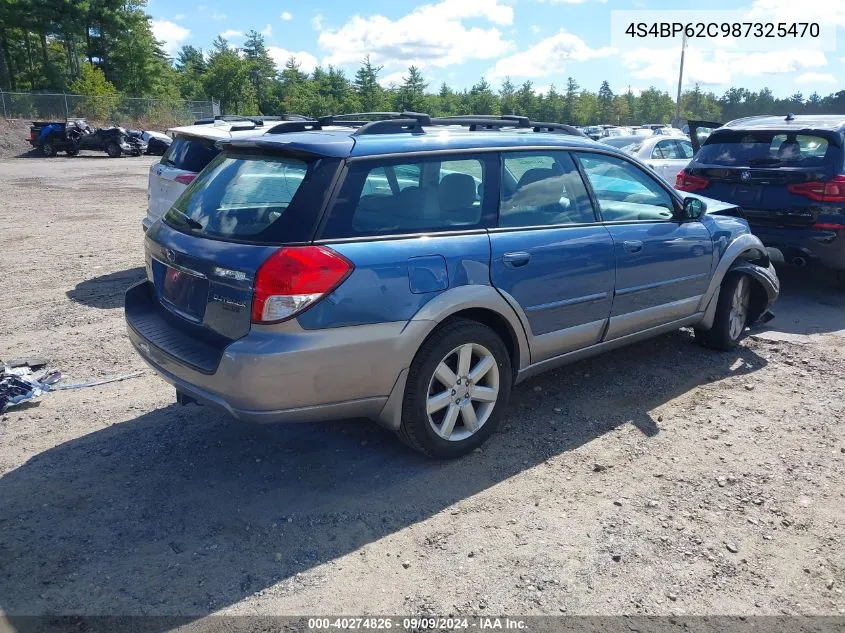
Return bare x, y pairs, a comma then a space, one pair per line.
787, 174
412, 269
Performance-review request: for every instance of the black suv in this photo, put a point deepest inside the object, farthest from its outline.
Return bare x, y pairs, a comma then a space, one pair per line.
787, 174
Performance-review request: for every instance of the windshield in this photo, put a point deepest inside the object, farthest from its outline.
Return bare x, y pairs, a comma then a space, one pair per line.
766, 149
238, 196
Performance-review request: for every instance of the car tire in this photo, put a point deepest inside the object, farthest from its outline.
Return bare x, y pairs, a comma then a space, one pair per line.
48, 149
440, 407
732, 311
113, 150
72, 151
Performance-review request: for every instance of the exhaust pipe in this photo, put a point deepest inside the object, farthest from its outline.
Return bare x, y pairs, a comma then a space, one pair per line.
800, 262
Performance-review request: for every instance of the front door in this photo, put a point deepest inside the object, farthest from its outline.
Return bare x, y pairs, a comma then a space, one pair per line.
663, 265
550, 255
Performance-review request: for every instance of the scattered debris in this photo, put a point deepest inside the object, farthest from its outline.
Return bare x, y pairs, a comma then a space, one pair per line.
26, 380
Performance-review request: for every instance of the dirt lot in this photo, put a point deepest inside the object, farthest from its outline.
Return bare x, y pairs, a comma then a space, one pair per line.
663, 479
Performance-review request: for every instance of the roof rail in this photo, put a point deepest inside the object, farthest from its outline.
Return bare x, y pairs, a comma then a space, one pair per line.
294, 125
483, 121
562, 128
398, 122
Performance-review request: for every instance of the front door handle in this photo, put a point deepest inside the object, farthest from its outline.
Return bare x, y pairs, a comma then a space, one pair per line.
633, 246
515, 260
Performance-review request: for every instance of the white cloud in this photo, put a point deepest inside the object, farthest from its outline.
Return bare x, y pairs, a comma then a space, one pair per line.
230, 33
317, 22
717, 67
205, 10
541, 90
392, 79
307, 61
181, 16
535, 29
825, 12
286, 16
547, 57
171, 34
431, 35
815, 78
267, 31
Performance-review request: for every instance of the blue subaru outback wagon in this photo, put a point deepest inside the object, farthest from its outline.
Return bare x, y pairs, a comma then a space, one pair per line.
413, 269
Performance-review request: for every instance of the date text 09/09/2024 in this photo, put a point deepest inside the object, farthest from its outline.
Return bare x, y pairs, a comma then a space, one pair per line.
769, 30
417, 623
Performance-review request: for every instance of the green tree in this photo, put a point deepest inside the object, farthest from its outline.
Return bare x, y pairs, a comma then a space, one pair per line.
411, 93
262, 72
371, 95
100, 94
570, 100
228, 79
526, 100
605, 104
482, 99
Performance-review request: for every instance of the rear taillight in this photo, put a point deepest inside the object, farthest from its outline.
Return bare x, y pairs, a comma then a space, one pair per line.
294, 278
821, 191
828, 226
685, 181
185, 179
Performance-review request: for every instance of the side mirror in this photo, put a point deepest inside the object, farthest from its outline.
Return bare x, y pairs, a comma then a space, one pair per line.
693, 209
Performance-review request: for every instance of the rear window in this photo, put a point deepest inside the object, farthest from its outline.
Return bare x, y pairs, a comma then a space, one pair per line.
396, 197
190, 154
248, 198
766, 149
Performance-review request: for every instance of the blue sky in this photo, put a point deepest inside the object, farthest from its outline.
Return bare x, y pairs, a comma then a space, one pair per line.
458, 41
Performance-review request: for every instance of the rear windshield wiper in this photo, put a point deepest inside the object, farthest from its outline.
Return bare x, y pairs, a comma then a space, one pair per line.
187, 221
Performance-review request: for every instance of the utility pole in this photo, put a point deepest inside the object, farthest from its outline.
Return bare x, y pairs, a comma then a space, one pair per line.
680, 82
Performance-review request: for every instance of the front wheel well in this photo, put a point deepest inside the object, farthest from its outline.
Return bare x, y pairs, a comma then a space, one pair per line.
495, 322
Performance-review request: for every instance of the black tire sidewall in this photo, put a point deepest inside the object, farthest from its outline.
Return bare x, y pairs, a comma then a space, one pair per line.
110, 150
414, 416
48, 149
720, 335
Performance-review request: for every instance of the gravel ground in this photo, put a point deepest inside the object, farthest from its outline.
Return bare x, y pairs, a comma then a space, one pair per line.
663, 479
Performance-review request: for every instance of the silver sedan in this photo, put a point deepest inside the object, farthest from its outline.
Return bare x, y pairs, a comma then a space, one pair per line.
666, 155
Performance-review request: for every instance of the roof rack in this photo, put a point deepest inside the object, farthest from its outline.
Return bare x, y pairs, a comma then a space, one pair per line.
395, 122
562, 128
484, 121
294, 125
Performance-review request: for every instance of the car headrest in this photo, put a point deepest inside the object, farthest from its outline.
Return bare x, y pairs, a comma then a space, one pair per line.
456, 191
789, 150
537, 174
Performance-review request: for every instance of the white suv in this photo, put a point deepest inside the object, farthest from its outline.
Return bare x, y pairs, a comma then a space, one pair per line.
192, 149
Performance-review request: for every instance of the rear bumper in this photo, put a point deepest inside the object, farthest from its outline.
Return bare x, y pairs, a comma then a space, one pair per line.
281, 373
805, 246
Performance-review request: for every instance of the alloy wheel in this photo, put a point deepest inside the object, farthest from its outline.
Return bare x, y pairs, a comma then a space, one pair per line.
463, 392
740, 302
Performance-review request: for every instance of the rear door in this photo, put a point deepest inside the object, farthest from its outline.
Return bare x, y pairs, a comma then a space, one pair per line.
663, 265
666, 159
183, 160
550, 255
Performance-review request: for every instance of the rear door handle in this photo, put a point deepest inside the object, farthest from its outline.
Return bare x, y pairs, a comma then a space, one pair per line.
633, 246
515, 260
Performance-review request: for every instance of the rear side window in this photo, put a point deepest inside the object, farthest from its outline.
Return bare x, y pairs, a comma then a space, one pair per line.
190, 154
766, 149
685, 149
397, 197
542, 189
666, 150
249, 198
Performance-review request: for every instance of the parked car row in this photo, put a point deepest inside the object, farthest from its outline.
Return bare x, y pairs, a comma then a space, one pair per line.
74, 135
413, 269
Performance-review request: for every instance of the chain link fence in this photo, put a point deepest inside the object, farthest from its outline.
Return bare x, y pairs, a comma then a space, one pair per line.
106, 108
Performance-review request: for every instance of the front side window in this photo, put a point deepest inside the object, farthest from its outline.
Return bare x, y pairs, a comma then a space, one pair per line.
624, 191
685, 149
390, 197
542, 189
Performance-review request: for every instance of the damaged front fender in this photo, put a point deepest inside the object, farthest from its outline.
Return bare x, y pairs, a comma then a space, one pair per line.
748, 256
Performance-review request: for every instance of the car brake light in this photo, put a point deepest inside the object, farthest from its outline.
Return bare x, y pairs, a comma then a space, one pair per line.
828, 226
293, 279
185, 179
821, 191
687, 182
